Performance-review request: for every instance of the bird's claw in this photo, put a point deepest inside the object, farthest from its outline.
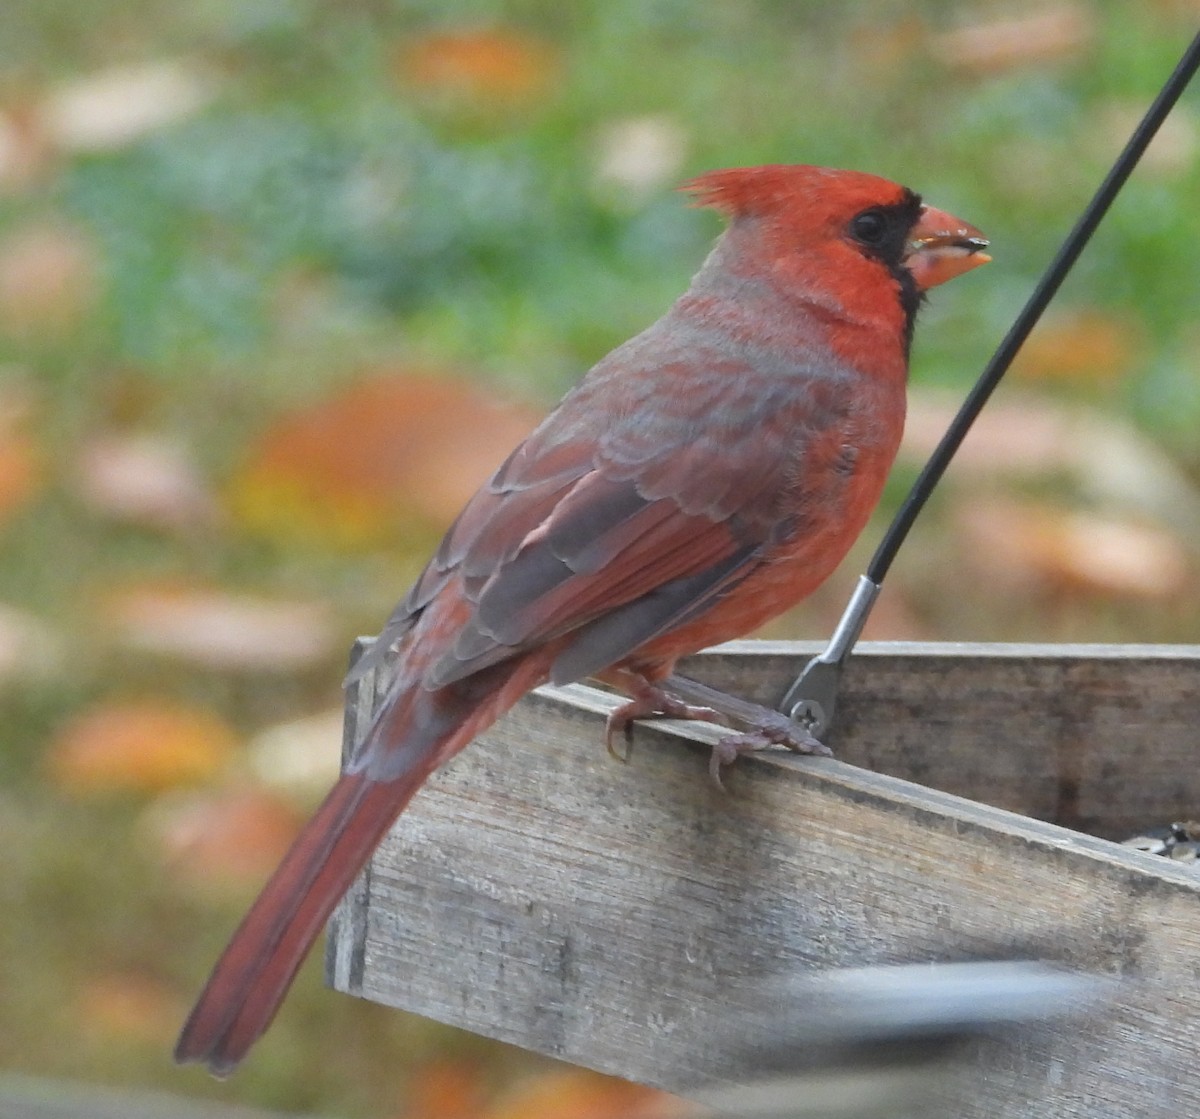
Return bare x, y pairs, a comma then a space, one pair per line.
619, 723
779, 730
651, 703
729, 749
773, 731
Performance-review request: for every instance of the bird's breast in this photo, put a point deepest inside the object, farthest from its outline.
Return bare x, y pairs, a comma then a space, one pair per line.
833, 483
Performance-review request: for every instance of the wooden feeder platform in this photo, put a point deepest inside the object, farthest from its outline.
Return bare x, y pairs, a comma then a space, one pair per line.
623, 917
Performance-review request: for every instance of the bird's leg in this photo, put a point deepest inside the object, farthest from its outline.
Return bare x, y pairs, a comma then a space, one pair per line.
678, 697
648, 700
764, 725
759, 726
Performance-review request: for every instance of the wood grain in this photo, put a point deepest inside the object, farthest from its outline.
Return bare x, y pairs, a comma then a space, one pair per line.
1099, 738
624, 917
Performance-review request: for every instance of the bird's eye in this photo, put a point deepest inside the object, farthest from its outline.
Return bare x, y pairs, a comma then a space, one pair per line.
869, 227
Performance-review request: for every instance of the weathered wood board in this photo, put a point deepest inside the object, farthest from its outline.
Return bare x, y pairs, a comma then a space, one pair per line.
623, 916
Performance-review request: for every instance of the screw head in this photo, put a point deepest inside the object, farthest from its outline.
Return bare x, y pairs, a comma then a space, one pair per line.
810, 715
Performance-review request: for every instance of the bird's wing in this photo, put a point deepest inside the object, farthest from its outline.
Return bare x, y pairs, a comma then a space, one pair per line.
617, 538
486, 535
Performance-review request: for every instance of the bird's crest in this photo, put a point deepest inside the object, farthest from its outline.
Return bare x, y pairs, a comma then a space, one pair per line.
749, 190
791, 189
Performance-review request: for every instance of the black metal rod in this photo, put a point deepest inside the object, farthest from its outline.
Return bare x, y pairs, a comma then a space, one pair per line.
1025, 322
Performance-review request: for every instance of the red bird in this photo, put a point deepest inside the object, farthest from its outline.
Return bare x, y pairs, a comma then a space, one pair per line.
702, 478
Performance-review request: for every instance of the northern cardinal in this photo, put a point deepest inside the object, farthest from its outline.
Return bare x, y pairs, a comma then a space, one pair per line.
702, 478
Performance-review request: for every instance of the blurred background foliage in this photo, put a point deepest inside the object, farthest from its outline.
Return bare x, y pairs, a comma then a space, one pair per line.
280, 282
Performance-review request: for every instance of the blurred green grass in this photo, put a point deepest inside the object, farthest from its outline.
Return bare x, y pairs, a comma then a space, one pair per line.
320, 216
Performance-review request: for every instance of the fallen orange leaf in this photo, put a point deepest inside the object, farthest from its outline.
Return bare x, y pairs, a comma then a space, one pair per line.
392, 452
20, 471
580, 1094
1086, 346
145, 745
481, 65
445, 1089
127, 1006
230, 838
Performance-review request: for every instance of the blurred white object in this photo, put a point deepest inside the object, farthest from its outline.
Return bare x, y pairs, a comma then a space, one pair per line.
145, 478
301, 757
883, 1041
641, 153
115, 107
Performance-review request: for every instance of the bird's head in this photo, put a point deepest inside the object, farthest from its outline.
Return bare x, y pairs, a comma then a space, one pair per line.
847, 231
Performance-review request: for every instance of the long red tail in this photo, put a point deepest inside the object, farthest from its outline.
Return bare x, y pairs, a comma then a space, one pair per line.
254, 972
415, 730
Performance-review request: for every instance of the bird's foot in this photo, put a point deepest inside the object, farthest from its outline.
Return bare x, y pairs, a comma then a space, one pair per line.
649, 701
774, 729
759, 727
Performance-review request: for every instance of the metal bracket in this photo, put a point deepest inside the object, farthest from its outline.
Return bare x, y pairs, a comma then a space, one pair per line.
812, 699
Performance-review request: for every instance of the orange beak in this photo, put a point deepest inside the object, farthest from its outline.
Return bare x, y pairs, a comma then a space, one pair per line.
941, 247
